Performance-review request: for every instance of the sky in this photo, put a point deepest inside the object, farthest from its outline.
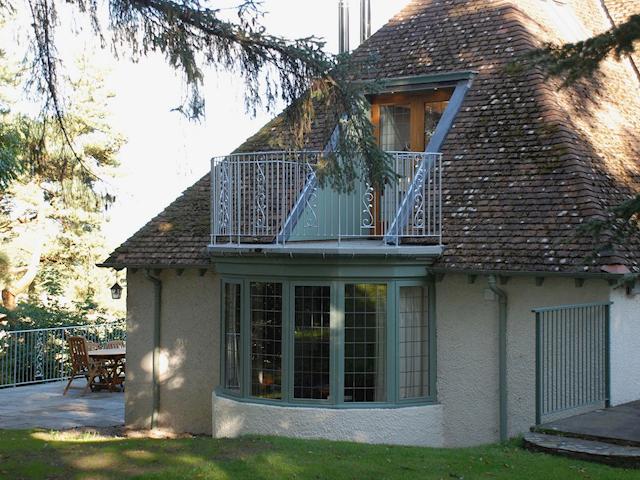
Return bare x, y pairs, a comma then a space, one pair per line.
165, 153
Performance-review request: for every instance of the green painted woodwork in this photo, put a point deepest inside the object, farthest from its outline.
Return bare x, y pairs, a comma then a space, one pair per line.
572, 357
311, 275
318, 268
333, 213
420, 82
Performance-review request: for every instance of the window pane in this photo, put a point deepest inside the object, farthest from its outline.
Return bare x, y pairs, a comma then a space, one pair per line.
414, 343
364, 346
311, 342
232, 301
432, 114
395, 127
266, 340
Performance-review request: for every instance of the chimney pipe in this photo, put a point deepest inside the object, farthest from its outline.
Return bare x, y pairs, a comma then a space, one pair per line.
365, 20
343, 26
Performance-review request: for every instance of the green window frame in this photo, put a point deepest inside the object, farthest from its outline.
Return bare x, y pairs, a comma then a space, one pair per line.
311, 342
232, 336
365, 342
387, 359
414, 344
266, 337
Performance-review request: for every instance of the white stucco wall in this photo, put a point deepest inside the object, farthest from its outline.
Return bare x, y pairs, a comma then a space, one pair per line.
625, 346
419, 425
138, 392
467, 368
189, 343
467, 339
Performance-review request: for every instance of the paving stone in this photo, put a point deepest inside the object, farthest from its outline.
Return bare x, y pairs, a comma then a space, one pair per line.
619, 424
592, 450
44, 406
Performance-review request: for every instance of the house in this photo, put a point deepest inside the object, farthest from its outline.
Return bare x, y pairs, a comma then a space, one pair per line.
459, 306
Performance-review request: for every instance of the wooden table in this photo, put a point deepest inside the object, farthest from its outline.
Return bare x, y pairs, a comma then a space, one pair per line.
114, 365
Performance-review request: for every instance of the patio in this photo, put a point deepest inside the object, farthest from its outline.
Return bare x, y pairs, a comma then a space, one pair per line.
44, 406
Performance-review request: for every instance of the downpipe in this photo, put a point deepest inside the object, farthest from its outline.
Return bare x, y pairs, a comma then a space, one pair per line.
155, 373
502, 354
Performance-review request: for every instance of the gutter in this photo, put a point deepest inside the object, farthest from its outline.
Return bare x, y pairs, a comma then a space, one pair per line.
526, 273
502, 354
155, 374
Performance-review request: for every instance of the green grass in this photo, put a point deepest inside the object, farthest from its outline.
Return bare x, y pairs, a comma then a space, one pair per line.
52, 455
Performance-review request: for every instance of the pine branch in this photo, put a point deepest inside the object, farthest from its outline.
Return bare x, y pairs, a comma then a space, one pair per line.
44, 20
574, 61
191, 37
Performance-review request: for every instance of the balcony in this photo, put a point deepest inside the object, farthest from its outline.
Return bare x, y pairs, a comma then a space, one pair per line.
270, 201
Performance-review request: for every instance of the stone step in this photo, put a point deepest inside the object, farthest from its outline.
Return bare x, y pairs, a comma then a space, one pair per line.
595, 451
589, 432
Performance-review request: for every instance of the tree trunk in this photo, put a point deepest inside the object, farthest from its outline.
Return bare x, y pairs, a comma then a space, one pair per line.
8, 300
14, 288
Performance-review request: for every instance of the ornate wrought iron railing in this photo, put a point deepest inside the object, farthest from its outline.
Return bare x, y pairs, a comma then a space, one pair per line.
41, 355
275, 197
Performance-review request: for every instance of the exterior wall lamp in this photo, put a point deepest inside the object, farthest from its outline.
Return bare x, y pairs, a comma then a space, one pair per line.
116, 291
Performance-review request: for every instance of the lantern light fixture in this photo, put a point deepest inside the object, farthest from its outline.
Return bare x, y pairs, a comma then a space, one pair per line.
116, 291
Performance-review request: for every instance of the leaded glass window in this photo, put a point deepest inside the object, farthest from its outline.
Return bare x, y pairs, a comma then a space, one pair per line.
277, 339
432, 114
413, 328
365, 315
395, 127
266, 340
232, 304
311, 342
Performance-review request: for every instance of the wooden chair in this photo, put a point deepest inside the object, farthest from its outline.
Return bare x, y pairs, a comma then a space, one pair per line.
83, 364
115, 344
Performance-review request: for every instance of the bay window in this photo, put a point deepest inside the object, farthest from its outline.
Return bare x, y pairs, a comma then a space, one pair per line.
266, 340
413, 341
333, 343
312, 330
364, 342
232, 301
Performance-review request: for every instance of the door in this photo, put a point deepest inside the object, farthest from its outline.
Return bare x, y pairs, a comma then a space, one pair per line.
404, 123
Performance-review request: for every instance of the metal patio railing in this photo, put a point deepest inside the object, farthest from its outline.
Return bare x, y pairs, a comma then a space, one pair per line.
572, 358
270, 197
41, 355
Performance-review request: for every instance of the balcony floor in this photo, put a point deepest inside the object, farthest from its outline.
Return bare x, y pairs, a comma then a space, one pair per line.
349, 248
44, 406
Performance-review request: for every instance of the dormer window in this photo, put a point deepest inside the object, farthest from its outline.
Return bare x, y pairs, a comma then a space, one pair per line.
405, 122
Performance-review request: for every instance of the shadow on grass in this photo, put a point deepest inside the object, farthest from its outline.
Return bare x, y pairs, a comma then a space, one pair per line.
55, 455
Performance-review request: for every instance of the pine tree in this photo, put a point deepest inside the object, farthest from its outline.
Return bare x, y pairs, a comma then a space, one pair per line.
193, 36
51, 213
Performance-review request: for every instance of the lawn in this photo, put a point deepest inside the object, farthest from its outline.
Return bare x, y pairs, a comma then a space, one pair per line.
40, 454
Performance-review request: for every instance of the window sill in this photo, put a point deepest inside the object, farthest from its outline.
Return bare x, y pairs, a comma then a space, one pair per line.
219, 392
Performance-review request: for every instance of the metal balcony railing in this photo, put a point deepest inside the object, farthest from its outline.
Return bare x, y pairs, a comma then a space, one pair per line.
41, 355
275, 197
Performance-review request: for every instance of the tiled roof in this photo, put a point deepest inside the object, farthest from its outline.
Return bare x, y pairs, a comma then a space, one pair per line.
525, 163
620, 11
